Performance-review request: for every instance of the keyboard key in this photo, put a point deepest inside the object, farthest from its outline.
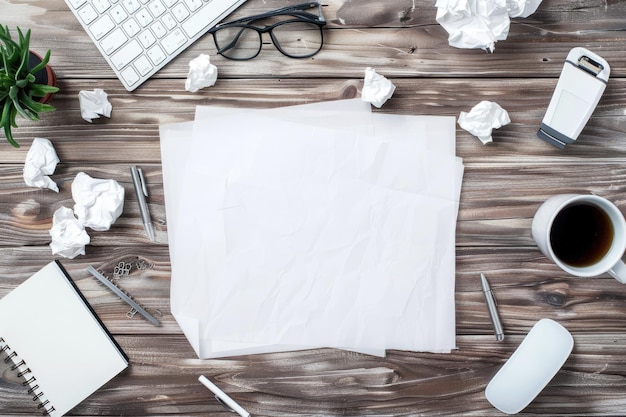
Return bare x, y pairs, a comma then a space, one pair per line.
101, 5
143, 65
130, 75
127, 54
180, 12
156, 55
170, 3
193, 5
131, 5
76, 3
113, 41
173, 41
169, 21
158, 29
156, 8
88, 14
146, 38
196, 23
101, 27
118, 14
143, 17
131, 27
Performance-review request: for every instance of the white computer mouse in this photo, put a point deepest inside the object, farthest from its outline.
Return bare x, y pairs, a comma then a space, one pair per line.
529, 369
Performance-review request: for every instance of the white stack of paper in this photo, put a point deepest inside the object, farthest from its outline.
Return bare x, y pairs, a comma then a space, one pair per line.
322, 225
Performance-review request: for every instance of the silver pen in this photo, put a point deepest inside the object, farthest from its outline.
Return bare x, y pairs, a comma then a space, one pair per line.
491, 305
142, 192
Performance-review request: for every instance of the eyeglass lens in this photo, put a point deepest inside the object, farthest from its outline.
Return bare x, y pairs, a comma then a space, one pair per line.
295, 39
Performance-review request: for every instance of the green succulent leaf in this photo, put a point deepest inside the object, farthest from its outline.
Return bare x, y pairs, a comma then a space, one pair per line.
42, 64
9, 136
40, 90
35, 106
19, 92
7, 120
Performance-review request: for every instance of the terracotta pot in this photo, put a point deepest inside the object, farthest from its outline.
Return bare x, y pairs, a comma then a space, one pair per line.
46, 76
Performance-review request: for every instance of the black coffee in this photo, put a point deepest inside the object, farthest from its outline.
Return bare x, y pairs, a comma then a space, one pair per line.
581, 235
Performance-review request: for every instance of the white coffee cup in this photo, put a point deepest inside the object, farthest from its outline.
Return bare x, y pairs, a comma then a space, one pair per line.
585, 235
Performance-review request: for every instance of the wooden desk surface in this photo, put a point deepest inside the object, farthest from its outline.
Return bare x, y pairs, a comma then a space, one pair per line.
504, 184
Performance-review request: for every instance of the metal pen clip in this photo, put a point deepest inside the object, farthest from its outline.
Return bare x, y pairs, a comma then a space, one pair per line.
141, 190
142, 180
491, 306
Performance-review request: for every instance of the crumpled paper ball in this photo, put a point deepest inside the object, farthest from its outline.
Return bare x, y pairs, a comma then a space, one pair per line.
522, 8
41, 161
201, 74
98, 202
68, 234
376, 88
93, 104
483, 118
480, 23
474, 23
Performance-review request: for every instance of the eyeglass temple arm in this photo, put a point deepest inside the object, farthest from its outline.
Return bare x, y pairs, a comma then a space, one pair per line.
297, 8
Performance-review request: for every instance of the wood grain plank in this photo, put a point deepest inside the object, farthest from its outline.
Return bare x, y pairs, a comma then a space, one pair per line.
131, 134
497, 203
401, 38
328, 382
527, 285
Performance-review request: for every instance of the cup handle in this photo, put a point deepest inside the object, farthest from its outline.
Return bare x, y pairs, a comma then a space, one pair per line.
619, 272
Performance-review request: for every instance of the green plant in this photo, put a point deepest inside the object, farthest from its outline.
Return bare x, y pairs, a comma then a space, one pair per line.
19, 92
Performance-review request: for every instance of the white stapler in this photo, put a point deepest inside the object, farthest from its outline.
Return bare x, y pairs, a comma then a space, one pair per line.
580, 86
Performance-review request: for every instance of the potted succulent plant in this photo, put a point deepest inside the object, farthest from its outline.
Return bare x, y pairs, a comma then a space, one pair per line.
26, 81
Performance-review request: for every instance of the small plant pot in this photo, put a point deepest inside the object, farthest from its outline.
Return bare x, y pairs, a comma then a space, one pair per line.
46, 76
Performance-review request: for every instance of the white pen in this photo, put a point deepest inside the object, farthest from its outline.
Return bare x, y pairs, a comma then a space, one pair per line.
142, 192
491, 305
223, 398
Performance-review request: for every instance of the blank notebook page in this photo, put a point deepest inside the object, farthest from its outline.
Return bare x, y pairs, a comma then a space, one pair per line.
49, 326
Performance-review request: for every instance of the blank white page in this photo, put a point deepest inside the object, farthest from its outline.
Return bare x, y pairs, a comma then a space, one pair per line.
48, 324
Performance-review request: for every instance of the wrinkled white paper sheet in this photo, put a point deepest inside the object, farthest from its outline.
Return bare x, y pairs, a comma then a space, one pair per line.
314, 226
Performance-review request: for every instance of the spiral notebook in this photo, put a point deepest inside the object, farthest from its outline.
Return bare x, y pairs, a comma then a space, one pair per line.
56, 341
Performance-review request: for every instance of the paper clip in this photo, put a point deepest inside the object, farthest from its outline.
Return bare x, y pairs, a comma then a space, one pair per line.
121, 269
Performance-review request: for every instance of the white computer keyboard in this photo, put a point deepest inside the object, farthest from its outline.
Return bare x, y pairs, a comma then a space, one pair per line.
138, 37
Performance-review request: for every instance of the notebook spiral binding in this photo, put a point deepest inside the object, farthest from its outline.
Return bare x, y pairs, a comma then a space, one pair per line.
24, 372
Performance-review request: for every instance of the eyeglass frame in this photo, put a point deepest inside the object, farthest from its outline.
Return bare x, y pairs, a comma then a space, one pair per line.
297, 11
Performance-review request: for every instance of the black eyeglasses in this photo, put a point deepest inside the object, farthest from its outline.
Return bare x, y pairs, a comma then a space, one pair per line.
300, 36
